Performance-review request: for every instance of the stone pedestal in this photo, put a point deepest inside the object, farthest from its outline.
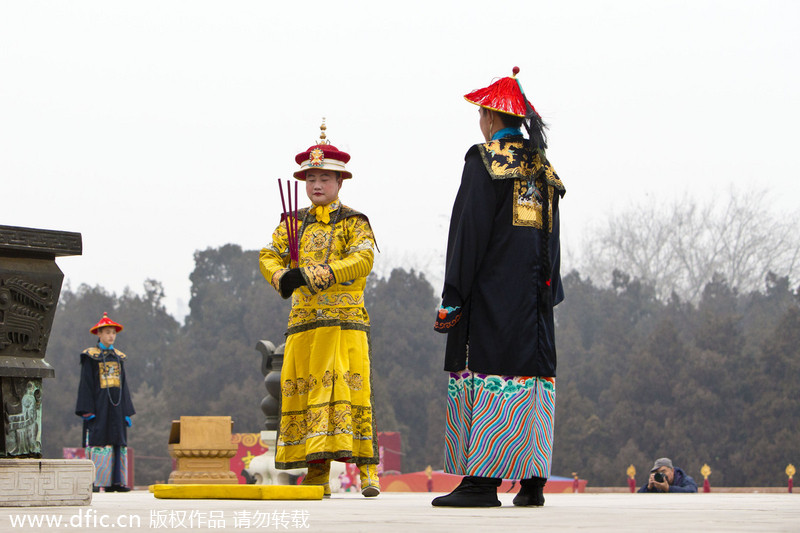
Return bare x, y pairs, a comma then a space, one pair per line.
45, 482
203, 449
271, 363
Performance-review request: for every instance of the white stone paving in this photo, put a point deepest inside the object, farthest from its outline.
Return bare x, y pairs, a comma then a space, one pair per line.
412, 512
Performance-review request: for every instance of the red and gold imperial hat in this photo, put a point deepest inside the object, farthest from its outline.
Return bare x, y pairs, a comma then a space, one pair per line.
322, 155
505, 95
105, 322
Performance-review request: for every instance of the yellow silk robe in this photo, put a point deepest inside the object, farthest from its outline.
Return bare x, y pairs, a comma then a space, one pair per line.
326, 409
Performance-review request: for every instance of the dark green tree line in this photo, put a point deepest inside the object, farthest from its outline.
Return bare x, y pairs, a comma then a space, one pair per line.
712, 383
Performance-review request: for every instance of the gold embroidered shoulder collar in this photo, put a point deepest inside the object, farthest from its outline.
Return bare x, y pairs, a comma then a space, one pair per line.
96, 353
510, 159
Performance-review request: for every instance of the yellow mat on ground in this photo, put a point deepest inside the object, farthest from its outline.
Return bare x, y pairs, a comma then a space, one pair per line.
237, 492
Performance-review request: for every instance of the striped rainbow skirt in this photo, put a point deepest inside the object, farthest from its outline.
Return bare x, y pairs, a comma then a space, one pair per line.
499, 426
110, 465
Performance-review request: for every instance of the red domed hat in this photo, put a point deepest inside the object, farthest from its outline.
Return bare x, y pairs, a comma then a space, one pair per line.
322, 155
505, 95
105, 322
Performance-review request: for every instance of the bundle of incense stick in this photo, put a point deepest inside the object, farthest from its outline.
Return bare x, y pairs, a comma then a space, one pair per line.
290, 219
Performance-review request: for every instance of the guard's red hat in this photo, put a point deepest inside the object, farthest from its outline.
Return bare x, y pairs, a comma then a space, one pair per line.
104, 323
505, 95
322, 155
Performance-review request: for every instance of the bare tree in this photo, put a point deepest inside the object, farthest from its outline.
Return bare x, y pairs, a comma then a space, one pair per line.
679, 247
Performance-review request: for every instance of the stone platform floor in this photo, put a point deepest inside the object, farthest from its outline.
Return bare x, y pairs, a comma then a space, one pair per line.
412, 512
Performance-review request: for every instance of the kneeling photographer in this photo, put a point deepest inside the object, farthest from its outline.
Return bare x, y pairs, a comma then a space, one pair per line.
666, 478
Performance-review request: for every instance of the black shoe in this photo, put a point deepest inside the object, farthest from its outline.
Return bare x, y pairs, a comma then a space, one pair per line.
95, 488
471, 492
118, 488
531, 492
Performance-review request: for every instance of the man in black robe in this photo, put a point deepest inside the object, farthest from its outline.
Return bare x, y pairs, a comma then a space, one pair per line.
104, 403
501, 283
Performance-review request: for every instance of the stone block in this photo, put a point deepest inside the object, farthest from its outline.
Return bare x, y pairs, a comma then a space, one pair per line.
45, 482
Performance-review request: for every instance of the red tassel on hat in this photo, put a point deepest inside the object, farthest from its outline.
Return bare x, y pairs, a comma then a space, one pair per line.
505, 95
105, 322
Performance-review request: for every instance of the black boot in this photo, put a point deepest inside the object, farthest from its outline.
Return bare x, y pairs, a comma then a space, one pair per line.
531, 492
472, 492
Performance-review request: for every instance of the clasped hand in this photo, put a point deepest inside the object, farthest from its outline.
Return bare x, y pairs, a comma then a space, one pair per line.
290, 281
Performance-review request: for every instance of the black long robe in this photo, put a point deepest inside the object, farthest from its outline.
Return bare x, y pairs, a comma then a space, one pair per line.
494, 263
108, 426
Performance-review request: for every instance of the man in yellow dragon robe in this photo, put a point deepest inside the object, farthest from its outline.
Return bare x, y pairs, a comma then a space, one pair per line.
326, 409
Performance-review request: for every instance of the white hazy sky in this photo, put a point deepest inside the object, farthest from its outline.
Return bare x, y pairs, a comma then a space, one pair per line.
157, 128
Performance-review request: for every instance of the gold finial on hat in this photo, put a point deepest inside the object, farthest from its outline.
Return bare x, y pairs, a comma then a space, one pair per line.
322, 137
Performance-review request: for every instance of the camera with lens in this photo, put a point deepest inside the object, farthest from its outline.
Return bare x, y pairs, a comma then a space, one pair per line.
659, 477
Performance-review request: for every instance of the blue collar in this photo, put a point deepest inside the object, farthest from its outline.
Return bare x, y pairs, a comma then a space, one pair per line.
103, 346
506, 132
